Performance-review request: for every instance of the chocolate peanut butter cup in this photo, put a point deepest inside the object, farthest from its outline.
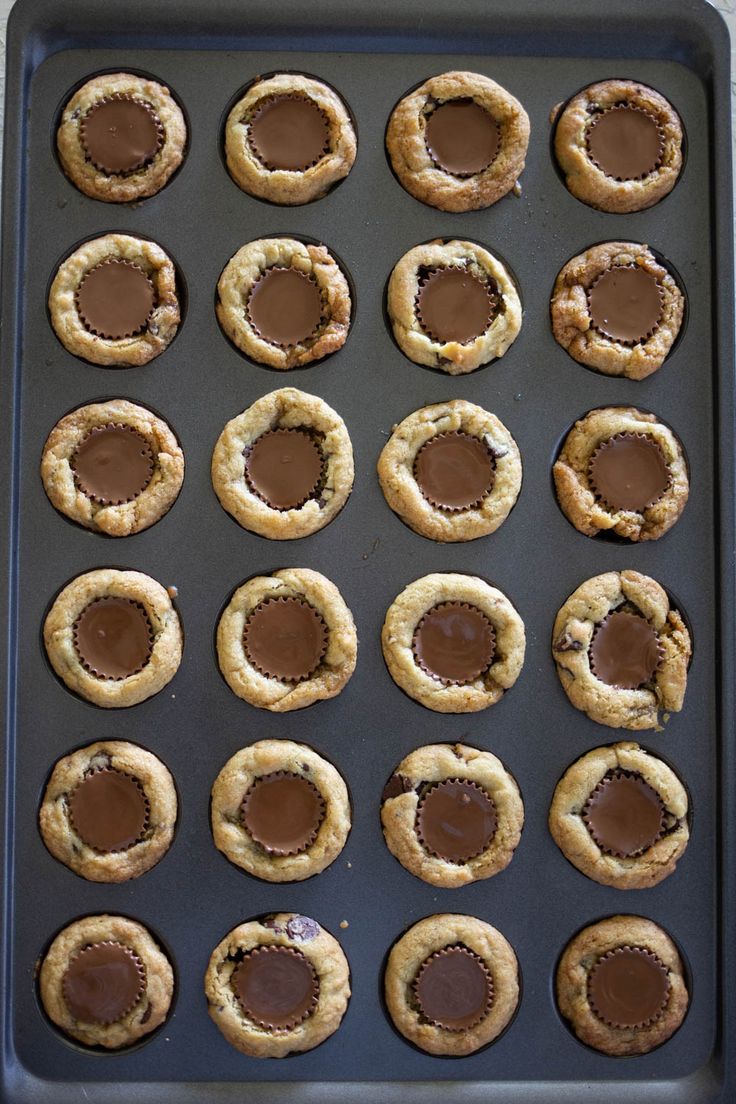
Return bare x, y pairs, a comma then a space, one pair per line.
628, 988
121, 133
625, 304
277, 987
462, 137
629, 472
624, 814
284, 468
454, 643
113, 464
113, 638
454, 989
455, 471
109, 810
288, 132
625, 651
103, 983
456, 820
455, 305
625, 142
285, 306
115, 300
283, 812
285, 638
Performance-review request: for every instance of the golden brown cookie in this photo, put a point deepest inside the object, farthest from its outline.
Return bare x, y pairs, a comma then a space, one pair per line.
622, 651
113, 637
622, 471
121, 137
458, 141
114, 302
280, 811
619, 145
451, 984
278, 985
620, 815
106, 982
113, 467
109, 811
284, 467
617, 309
453, 305
284, 303
620, 984
451, 471
453, 642
286, 640
289, 139
452, 814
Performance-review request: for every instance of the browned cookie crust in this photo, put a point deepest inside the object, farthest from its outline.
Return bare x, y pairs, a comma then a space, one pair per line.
423, 177
567, 818
435, 934
437, 763
133, 349
61, 835
572, 635
580, 957
585, 179
303, 936
147, 1013
574, 327
580, 503
112, 518
150, 177
255, 176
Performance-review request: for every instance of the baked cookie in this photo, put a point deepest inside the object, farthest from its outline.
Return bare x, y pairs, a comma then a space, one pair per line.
453, 305
458, 142
113, 637
615, 308
284, 467
622, 471
620, 984
106, 982
286, 640
452, 814
280, 811
113, 467
283, 302
113, 301
620, 815
451, 984
278, 985
622, 652
452, 471
121, 137
109, 811
619, 145
453, 642
289, 139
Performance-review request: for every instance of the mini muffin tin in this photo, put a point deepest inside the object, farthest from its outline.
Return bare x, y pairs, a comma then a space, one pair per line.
371, 51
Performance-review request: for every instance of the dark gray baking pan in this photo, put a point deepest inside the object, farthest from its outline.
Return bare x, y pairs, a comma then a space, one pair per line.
371, 51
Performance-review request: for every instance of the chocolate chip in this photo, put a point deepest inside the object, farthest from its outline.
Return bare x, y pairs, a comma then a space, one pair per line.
396, 785
302, 928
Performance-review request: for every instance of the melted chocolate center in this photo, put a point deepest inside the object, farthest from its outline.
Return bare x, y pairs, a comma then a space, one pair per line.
629, 472
461, 137
628, 987
625, 143
454, 989
454, 305
113, 464
277, 987
115, 300
624, 815
454, 643
285, 638
113, 637
283, 811
454, 471
288, 132
108, 810
285, 306
625, 651
284, 468
625, 304
120, 134
103, 982
456, 820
